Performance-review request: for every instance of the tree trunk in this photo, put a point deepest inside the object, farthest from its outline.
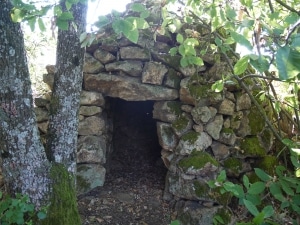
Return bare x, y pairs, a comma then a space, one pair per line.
25, 165
63, 121
64, 107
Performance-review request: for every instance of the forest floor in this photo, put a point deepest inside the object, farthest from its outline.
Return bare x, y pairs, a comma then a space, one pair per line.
132, 195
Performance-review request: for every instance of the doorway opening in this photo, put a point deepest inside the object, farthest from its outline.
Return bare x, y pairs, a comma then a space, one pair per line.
136, 154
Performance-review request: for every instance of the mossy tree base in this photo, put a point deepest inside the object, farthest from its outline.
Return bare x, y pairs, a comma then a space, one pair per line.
63, 202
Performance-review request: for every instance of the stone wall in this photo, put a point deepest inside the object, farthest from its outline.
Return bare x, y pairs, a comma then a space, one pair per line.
200, 131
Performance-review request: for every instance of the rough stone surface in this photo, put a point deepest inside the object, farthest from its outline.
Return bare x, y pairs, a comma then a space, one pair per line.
185, 147
127, 88
89, 110
184, 93
89, 176
41, 114
134, 53
203, 114
243, 102
130, 67
214, 127
92, 125
227, 107
154, 73
91, 98
104, 56
91, 149
92, 65
166, 111
220, 150
166, 136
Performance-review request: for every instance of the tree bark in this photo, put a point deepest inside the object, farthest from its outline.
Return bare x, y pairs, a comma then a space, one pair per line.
64, 107
25, 166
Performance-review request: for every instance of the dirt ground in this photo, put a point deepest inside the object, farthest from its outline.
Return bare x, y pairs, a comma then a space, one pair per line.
130, 196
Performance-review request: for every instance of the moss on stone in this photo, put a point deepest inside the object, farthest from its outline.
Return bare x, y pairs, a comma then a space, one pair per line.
197, 160
251, 147
224, 214
227, 130
63, 208
268, 164
175, 107
199, 91
256, 121
180, 123
172, 75
82, 183
201, 189
190, 136
234, 165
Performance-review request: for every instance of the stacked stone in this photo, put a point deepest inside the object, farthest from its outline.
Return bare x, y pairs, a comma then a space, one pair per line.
93, 137
200, 131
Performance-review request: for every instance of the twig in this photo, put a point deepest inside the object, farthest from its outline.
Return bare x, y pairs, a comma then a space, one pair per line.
287, 7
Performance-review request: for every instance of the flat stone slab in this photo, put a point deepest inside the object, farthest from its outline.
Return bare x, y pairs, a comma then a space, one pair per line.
127, 88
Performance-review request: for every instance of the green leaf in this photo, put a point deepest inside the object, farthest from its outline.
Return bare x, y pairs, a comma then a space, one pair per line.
222, 176
127, 28
259, 219
268, 211
102, 21
179, 38
82, 37
66, 16
138, 23
138, 7
275, 190
246, 182
286, 187
41, 215
195, 60
241, 65
251, 207
287, 60
255, 199
17, 15
31, 23
173, 51
145, 14
262, 175
235, 189
218, 86
57, 11
241, 40
261, 64
175, 222
41, 24
68, 5
62, 24
184, 62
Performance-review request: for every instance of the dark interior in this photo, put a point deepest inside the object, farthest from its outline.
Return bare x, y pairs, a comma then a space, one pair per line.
136, 150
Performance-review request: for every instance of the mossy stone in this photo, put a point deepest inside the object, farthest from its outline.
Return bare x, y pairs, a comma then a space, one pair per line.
256, 121
197, 160
202, 190
190, 137
175, 107
224, 214
233, 166
268, 164
251, 147
180, 124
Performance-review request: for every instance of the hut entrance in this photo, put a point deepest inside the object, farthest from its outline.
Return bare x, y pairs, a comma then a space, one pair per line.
136, 150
